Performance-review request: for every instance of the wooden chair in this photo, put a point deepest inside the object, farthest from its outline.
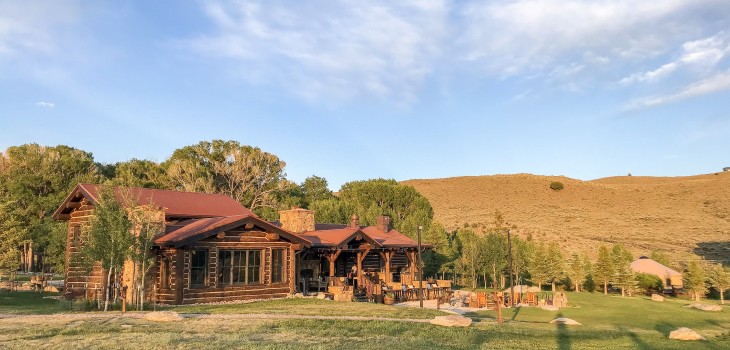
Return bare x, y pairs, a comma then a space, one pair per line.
481, 299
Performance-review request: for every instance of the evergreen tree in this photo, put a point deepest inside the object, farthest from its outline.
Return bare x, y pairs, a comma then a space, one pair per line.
603, 269
576, 270
623, 275
539, 266
695, 279
720, 279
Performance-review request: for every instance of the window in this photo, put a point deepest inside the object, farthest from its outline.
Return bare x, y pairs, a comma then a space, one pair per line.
239, 266
199, 268
277, 265
76, 235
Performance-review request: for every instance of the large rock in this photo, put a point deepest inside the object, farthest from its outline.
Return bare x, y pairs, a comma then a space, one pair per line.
657, 297
705, 307
163, 316
51, 289
565, 320
451, 321
685, 333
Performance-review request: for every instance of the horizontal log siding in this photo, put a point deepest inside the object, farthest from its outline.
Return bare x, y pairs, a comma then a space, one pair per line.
215, 292
78, 282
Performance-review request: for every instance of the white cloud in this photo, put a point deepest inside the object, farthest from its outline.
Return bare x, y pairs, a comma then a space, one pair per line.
701, 55
45, 104
712, 84
329, 48
32, 26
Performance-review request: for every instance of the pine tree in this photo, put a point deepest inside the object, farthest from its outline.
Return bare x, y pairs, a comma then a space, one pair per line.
577, 270
623, 276
695, 279
720, 280
603, 269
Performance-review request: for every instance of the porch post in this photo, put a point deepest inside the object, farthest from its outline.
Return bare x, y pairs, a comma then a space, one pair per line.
386, 258
359, 269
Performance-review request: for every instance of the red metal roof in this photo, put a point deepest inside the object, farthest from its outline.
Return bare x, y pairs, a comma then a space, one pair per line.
333, 236
176, 203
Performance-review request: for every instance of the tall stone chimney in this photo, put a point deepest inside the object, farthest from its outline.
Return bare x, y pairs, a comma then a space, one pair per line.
383, 223
297, 220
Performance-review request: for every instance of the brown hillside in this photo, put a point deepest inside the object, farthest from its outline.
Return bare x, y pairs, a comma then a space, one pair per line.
678, 214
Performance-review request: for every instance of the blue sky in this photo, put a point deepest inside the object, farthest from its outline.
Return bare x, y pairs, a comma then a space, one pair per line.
353, 90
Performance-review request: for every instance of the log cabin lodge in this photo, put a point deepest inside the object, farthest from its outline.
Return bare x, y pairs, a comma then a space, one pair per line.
213, 249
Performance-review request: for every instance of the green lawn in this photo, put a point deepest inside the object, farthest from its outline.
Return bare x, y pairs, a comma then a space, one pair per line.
29, 303
609, 322
299, 306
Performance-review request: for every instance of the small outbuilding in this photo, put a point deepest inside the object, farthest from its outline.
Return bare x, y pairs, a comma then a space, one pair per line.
670, 278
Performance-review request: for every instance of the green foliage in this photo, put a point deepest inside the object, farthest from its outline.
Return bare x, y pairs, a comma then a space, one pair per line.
648, 283
247, 174
139, 173
604, 268
719, 277
540, 265
623, 276
314, 188
576, 270
34, 179
556, 185
695, 279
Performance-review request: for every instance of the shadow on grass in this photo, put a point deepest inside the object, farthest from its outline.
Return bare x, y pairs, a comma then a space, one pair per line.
562, 337
640, 344
515, 313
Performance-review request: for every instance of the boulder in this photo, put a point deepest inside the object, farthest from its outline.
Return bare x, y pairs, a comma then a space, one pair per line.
321, 296
705, 307
451, 321
685, 333
51, 289
550, 307
163, 316
657, 297
565, 320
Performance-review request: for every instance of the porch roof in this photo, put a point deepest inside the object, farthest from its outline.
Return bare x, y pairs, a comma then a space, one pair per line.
331, 235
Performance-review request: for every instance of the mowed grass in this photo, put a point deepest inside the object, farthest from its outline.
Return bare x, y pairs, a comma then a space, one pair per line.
609, 322
300, 306
29, 303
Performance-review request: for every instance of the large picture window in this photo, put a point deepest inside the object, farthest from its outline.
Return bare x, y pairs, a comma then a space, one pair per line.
239, 267
199, 268
277, 265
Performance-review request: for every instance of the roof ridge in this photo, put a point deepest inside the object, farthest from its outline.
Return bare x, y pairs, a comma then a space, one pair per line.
159, 189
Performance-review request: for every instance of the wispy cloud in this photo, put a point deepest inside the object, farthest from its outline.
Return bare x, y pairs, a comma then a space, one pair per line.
32, 26
45, 104
715, 83
700, 55
331, 49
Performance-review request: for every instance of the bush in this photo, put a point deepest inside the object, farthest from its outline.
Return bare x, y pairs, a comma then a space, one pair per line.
556, 185
649, 283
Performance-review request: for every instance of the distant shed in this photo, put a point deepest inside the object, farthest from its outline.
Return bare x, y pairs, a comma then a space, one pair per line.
671, 278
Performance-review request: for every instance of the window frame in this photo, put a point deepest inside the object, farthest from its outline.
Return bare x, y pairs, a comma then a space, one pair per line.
280, 267
241, 268
205, 268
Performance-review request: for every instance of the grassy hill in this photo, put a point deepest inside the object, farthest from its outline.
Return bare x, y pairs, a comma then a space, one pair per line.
674, 214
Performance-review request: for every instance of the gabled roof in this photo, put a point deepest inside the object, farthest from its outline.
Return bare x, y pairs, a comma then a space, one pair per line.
207, 227
332, 235
175, 203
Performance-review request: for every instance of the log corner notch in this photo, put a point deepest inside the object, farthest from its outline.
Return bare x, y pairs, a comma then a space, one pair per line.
275, 237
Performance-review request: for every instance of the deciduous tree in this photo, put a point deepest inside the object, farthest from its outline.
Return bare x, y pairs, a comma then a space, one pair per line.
719, 277
695, 279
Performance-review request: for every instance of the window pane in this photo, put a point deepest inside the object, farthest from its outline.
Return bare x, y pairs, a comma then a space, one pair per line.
199, 268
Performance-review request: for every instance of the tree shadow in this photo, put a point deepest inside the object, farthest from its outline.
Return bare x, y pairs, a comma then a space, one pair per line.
640, 344
716, 251
515, 313
562, 336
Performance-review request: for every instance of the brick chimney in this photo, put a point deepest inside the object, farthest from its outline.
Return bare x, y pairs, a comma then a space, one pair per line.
384, 223
355, 221
297, 220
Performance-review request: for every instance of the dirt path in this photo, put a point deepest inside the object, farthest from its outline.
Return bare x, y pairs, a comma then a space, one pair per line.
139, 315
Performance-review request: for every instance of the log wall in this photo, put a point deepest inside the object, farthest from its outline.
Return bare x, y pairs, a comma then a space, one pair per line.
80, 282
180, 290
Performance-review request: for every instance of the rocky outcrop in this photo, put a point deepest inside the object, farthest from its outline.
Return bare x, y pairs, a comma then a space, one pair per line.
451, 321
685, 333
657, 297
705, 307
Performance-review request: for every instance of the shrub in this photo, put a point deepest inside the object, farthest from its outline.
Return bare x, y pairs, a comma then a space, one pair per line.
649, 283
556, 185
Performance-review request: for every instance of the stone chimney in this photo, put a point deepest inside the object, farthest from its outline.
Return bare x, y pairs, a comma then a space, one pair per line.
297, 220
384, 223
355, 221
